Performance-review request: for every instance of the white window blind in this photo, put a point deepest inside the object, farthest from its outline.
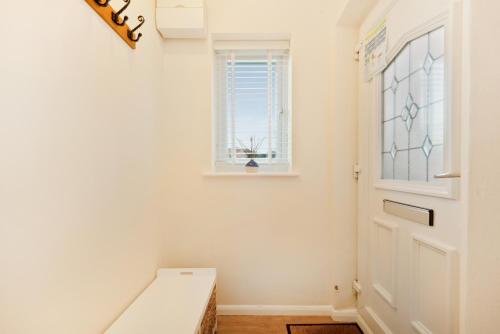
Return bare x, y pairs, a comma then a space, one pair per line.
252, 107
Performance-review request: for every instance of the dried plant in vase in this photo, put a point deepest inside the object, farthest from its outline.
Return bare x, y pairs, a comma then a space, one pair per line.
251, 152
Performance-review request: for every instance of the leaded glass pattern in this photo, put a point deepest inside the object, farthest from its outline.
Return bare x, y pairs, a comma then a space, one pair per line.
413, 110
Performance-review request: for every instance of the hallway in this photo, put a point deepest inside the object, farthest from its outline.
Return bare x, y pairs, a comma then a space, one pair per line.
266, 162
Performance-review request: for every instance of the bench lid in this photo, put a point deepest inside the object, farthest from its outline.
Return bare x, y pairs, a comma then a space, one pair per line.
174, 303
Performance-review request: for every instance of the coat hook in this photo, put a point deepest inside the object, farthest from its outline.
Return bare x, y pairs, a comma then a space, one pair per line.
102, 3
130, 33
116, 16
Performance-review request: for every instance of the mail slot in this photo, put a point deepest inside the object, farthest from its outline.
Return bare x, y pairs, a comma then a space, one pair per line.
410, 212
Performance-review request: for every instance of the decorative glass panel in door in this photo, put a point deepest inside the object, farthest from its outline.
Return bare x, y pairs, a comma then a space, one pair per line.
413, 110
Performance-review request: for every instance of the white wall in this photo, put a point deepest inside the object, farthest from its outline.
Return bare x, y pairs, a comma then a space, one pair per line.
483, 290
272, 240
81, 157
99, 143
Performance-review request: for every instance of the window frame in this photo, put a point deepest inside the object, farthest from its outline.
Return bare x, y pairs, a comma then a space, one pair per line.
448, 188
226, 167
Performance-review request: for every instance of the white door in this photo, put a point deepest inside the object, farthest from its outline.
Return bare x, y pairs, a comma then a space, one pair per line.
409, 130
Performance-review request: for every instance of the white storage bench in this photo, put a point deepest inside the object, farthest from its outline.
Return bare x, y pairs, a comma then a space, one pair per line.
179, 301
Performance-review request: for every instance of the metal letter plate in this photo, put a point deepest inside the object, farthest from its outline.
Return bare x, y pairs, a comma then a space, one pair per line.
410, 212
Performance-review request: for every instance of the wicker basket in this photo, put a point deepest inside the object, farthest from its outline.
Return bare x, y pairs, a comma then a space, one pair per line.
209, 322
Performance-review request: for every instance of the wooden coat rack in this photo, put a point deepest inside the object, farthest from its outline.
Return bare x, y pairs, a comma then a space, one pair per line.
116, 22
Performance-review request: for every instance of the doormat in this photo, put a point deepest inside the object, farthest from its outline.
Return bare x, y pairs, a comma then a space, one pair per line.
323, 329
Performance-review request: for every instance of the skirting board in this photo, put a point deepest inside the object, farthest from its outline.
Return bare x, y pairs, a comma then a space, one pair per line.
290, 310
274, 310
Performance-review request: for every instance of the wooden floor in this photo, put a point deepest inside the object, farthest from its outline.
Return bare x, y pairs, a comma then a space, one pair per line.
230, 324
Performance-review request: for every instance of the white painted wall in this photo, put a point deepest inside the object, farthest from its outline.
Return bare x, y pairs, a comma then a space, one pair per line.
282, 241
81, 158
99, 143
483, 290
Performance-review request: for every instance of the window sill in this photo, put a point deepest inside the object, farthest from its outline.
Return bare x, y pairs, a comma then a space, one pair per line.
244, 174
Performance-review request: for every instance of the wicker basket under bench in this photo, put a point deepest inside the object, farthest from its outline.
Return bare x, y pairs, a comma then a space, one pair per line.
179, 301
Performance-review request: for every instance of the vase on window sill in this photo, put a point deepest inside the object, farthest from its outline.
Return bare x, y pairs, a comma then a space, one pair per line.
252, 166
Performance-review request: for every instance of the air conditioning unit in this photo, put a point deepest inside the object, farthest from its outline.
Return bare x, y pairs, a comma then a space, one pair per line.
181, 18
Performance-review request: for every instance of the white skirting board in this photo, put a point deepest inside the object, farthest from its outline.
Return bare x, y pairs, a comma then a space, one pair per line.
350, 315
325, 310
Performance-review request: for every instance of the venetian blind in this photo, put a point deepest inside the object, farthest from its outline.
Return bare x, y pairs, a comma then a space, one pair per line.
252, 106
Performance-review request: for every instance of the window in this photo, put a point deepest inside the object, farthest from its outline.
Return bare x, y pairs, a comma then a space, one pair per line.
252, 109
413, 114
